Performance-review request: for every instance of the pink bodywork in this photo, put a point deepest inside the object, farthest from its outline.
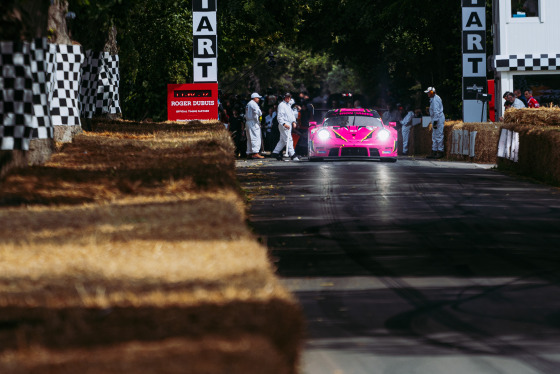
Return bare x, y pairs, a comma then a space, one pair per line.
353, 141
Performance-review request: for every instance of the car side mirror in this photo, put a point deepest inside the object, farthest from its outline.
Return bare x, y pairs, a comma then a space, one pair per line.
312, 125
393, 124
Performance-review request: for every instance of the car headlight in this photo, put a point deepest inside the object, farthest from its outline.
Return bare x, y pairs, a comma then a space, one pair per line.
324, 134
383, 135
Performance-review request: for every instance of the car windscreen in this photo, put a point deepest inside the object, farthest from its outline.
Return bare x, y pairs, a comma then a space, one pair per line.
367, 121
361, 121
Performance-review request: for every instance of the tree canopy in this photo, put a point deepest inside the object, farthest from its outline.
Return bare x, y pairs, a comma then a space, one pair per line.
386, 50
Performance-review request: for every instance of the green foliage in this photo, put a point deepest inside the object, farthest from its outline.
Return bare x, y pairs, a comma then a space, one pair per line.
155, 47
386, 50
156, 50
295, 70
395, 47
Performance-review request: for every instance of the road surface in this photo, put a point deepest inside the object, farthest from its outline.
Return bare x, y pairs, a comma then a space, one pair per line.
416, 267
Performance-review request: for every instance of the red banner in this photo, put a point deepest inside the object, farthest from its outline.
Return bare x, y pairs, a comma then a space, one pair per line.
193, 101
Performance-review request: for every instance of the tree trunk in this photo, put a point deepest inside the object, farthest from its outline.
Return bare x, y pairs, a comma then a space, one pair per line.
24, 20
58, 32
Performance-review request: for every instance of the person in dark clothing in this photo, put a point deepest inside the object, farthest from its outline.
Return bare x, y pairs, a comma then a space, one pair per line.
237, 130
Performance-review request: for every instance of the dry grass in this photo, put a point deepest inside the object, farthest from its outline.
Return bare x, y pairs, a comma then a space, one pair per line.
132, 240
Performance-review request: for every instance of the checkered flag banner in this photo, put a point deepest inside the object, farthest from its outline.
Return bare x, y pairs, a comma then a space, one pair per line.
24, 110
99, 91
43, 55
527, 62
64, 103
44, 85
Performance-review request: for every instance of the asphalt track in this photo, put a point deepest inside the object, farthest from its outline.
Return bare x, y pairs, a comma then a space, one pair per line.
414, 267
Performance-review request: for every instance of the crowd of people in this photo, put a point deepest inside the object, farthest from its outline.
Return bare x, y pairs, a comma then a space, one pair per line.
273, 123
254, 124
277, 124
519, 101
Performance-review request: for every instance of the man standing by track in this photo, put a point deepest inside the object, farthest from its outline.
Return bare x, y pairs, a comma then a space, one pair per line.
438, 120
286, 121
253, 126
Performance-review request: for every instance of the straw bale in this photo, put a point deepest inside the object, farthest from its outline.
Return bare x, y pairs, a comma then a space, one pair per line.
486, 144
244, 354
420, 140
132, 241
539, 143
545, 117
538, 154
486, 141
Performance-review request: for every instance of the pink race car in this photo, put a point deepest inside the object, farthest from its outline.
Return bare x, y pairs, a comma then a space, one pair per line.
352, 133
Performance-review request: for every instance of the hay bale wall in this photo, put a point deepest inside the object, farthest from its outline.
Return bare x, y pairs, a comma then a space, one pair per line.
486, 143
128, 252
539, 143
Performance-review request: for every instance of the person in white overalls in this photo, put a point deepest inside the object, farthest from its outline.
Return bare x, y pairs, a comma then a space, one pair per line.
406, 125
438, 121
286, 122
253, 114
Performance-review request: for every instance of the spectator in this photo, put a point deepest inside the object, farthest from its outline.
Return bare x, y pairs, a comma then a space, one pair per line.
515, 102
406, 125
267, 129
253, 127
531, 101
275, 131
334, 104
507, 105
392, 115
306, 115
531, 8
520, 96
286, 122
237, 131
438, 122
224, 118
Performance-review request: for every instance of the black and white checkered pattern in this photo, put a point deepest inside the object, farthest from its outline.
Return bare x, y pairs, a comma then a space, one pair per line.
527, 62
43, 55
64, 105
41, 85
100, 84
16, 96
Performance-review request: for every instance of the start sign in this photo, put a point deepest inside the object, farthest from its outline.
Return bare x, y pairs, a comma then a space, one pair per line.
474, 59
189, 102
205, 41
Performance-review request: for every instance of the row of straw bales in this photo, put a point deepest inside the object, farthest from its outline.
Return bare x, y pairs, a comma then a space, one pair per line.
487, 136
128, 252
539, 142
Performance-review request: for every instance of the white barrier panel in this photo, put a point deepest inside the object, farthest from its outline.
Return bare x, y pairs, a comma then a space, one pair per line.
508, 145
463, 143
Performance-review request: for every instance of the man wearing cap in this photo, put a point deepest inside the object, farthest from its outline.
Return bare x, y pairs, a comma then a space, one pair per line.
438, 121
515, 102
286, 121
253, 126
